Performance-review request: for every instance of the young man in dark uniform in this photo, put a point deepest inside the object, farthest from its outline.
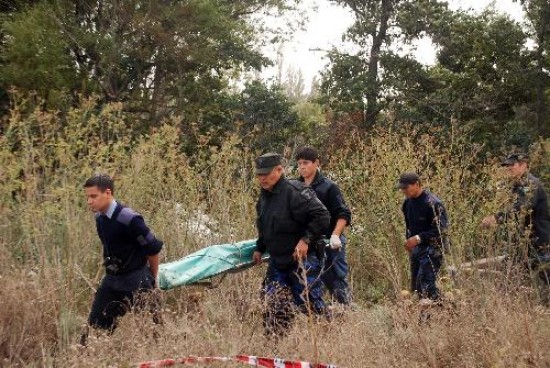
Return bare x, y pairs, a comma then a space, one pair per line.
336, 268
530, 214
290, 222
427, 223
130, 254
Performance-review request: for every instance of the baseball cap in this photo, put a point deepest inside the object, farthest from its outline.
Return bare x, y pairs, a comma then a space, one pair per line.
407, 179
515, 157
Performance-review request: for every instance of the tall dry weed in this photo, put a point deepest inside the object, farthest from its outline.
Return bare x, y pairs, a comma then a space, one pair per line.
50, 254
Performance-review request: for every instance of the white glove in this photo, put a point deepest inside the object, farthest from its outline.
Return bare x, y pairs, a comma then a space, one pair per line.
335, 242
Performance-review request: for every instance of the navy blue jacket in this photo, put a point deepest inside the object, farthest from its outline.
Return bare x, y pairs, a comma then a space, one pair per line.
286, 214
126, 237
426, 217
331, 196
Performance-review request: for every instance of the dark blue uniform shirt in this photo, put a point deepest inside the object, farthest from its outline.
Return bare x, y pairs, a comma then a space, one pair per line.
426, 217
125, 236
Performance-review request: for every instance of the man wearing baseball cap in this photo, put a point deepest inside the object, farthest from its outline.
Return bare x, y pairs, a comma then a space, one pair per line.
529, 212
426, 241
290, 221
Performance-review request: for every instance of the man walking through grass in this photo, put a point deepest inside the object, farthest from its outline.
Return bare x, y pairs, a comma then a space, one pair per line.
290, 221
529, 214
426, 223
130, 255
336, 268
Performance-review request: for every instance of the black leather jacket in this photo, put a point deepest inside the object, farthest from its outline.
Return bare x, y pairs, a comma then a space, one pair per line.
286, 214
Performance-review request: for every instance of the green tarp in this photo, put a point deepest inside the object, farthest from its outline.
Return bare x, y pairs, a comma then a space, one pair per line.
206, 263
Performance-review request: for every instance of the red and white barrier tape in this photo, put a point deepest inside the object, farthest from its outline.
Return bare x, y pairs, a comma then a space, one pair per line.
246, 359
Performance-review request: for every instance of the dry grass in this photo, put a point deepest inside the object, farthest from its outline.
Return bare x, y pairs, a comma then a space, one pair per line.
49, 252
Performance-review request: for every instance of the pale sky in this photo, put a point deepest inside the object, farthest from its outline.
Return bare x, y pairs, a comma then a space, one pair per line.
326, 26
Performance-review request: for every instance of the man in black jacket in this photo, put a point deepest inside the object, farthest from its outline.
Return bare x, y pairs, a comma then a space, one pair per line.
336, 268
290, 221
426, 222
529, 213
130, 254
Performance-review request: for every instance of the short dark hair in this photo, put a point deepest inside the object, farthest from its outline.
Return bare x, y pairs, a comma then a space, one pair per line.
102, 181
307, 153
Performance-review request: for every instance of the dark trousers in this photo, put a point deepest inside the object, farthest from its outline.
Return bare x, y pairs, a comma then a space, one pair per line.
425, 264
335, 273
116, 295
282, 284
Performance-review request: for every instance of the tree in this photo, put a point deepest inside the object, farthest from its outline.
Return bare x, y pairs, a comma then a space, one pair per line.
354, 80
158, 58
538, 21
482, 76
266, 117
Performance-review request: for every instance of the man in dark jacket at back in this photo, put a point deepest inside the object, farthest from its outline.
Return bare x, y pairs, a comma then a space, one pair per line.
290, 221
530, 214
336, 268
130, 254
426, 241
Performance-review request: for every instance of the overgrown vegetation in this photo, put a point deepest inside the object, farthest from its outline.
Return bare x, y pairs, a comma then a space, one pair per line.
51, 255
166, 97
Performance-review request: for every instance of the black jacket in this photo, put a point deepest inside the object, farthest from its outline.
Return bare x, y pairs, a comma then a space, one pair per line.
426, 217
286, 214
330, 195
530, 200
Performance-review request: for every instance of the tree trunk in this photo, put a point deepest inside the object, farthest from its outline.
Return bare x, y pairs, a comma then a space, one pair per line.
542, 130
541, 99
373, 87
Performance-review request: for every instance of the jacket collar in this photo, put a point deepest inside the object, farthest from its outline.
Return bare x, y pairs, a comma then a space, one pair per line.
523, 180
277, 187
319, 178
111, 210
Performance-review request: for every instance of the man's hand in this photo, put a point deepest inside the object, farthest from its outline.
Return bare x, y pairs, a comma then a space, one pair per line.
300, 253
489, 221
257, 258
411, 243
335, 242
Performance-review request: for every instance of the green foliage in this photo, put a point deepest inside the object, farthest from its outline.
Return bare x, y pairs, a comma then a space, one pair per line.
357, 81
158, 58
538, 20
266, 115
35, 57
484, 76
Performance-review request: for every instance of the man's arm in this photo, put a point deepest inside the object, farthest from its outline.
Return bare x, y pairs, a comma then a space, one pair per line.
260, 244
145, 237
338, 209
340, 226
306, 205
404, 210
154, 262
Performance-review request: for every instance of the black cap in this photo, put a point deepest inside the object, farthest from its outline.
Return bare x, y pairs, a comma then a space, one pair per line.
267, 162
407, 179
513, 158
